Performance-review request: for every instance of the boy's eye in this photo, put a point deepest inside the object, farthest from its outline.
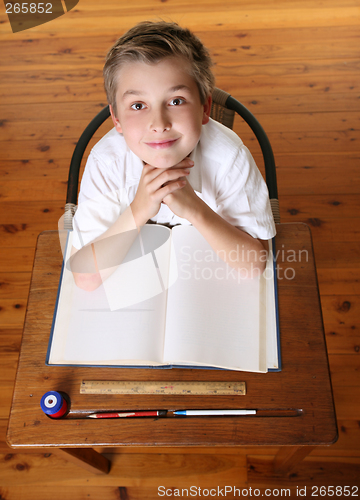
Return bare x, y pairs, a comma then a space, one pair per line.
176, 101
137, 106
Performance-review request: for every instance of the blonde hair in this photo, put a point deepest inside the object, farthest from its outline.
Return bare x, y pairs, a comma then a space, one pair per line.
150, 42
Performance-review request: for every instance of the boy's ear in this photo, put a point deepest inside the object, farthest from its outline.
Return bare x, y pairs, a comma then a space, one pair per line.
115, 120
207, 111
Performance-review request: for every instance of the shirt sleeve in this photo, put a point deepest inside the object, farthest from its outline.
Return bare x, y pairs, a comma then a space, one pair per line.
243, 198
100, 202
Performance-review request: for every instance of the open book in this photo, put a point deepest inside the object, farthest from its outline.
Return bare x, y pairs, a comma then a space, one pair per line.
172, 302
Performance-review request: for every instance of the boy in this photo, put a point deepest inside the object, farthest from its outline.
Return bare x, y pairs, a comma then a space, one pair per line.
166, 160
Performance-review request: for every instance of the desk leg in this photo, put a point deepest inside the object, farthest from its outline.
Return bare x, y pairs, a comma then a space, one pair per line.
87, 458
288, 457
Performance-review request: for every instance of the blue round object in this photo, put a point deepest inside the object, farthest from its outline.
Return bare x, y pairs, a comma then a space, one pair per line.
51, 402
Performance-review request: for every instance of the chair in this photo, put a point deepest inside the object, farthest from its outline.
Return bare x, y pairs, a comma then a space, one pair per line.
223, 110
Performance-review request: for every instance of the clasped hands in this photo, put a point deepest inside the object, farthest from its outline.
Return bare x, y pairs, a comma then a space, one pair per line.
165, 185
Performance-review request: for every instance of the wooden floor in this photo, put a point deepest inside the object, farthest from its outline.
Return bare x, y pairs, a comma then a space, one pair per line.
296, 65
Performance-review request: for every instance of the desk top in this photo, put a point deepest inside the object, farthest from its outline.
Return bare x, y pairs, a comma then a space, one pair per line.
303, 383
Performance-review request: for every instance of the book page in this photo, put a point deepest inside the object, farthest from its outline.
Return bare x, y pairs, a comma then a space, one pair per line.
139, 277
88, 330
213, 316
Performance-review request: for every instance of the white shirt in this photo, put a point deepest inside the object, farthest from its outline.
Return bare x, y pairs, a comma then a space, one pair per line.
224, 175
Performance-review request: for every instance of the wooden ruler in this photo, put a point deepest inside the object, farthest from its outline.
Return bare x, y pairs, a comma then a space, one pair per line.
156, 387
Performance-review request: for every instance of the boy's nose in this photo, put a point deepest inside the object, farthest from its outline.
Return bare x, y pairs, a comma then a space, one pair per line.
159, 121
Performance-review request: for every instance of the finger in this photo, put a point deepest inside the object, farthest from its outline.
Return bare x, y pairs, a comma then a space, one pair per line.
150, 168
183, 178
171, 188
185, 163
150, 173
167, 177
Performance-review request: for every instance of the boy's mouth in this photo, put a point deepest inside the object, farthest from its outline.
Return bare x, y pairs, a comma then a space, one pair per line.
161, 144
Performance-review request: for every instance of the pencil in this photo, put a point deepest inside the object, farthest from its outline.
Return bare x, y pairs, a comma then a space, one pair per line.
197, 413
150, 413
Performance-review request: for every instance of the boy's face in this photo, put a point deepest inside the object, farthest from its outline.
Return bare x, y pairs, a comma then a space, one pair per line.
159, 111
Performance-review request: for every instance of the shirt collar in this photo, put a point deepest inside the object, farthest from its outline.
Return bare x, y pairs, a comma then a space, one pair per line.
133, 168
195, 172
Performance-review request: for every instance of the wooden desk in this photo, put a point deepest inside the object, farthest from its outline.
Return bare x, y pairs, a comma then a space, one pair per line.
303, 383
